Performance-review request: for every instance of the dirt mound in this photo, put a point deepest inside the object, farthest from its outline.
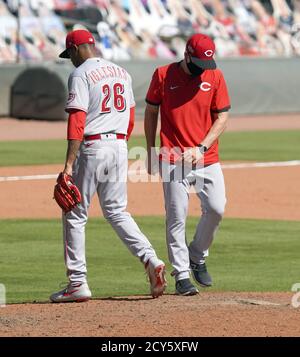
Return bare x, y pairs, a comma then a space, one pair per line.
206, 314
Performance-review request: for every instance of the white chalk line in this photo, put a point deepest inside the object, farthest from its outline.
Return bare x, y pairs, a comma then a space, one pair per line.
261, 164
141, 172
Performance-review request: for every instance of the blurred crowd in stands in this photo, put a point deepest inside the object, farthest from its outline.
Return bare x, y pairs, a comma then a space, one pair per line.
34, 30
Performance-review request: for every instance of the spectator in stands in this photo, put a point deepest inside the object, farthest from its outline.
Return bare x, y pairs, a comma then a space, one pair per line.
110, 46
158, 17
52, 27
151, 28
296, 6
32, 31
154, 47
283, 16
267, 32
247, 27
103, 6
5, 53
8, 35
182, 17
64, 4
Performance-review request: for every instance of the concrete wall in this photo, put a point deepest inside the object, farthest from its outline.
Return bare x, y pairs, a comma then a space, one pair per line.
256, 86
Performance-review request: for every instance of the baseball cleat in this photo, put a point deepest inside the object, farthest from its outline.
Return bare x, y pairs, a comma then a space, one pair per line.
156, 274
200, 274
184, 287
72, 293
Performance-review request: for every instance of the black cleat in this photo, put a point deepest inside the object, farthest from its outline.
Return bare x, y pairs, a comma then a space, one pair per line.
200, 274
185, 287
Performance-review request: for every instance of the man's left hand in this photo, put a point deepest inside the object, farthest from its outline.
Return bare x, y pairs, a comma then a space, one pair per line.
66, 193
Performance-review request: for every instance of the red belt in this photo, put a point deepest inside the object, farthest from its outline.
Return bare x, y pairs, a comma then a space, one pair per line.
105, 136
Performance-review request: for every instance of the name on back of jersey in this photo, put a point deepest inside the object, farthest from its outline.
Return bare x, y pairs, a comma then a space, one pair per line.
104, 72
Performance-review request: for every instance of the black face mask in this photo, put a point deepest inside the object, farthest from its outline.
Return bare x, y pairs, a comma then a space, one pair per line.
195, 70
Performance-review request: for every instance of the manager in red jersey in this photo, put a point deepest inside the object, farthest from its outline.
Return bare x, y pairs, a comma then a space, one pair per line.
193, 101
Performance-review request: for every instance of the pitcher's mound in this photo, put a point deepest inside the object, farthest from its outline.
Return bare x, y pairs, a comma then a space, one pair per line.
206, 314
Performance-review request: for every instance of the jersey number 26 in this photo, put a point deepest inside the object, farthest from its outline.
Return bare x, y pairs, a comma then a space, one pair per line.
119, 101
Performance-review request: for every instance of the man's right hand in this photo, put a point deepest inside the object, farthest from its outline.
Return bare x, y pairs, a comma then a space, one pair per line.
152, 163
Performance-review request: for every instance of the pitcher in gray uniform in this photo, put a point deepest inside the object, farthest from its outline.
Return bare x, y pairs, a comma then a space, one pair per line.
101, 116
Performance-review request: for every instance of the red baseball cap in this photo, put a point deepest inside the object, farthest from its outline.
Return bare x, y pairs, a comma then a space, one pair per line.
201, 48
76, 37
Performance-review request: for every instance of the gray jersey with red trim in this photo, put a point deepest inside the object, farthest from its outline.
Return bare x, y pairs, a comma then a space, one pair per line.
103, 90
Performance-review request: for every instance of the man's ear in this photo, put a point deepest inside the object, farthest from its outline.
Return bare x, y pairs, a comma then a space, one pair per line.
73, 50
187, 57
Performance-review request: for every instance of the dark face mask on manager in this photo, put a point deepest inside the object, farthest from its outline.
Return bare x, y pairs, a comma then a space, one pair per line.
195, 70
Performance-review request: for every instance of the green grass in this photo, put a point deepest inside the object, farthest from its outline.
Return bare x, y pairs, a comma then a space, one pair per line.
16, 153
261, 146
248, 255
242, 146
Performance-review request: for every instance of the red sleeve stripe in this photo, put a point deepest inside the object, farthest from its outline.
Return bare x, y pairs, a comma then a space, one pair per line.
131, 122
76, 123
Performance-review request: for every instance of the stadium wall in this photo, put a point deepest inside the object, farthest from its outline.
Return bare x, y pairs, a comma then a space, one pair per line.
256, 86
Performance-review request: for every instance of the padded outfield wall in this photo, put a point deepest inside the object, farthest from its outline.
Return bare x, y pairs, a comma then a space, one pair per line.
256, 86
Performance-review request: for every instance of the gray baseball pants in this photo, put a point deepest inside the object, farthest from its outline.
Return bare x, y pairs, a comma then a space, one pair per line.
101, 167
209, 186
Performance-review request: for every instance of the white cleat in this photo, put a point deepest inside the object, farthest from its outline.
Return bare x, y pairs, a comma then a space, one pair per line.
156, 274
72, 293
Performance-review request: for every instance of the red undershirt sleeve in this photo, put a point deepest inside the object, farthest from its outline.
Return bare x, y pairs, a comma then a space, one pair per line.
76, 123
131, 122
